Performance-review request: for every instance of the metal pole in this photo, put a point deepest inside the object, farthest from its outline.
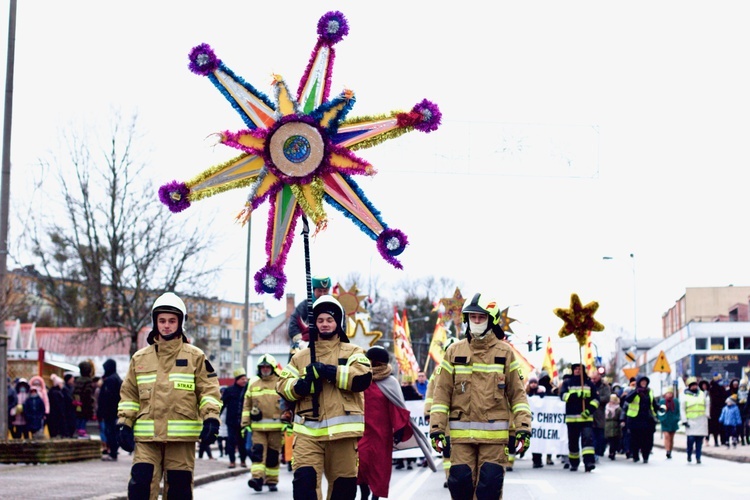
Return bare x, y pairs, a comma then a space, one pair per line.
635, 315
246, 318
4, 206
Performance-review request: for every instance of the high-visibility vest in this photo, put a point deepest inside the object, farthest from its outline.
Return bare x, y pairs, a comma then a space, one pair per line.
635, 405
695, 405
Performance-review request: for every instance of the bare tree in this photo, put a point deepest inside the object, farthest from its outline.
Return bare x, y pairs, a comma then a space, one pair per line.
110, 249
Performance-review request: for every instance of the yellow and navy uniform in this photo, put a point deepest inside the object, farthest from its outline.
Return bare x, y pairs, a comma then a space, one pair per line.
581, 401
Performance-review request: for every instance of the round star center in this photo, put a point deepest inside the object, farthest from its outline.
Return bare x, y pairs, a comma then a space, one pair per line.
296, 148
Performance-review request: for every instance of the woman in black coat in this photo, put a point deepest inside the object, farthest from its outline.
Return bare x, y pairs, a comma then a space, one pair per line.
58, 411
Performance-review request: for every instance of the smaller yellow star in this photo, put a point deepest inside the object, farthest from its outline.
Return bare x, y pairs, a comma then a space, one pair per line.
359, 335
578, 319
505, 321
453, 306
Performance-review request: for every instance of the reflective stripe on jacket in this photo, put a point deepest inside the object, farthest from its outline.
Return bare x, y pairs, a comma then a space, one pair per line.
341, 403
578, 397
479, 393
261, 393
167, 395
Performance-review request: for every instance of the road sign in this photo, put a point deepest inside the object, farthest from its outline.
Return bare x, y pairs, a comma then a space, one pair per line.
630, 372
661, 364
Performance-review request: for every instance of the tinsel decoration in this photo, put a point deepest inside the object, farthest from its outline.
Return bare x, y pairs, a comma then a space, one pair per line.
578, 320
298, 151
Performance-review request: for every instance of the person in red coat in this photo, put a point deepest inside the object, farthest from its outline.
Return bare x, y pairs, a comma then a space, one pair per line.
386, 424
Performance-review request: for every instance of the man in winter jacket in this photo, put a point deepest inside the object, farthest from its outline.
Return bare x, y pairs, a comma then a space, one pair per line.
232, 401
83, 398
262, 413
641, 419
106, 410
581, 401
168, 400
329, 400
480, 396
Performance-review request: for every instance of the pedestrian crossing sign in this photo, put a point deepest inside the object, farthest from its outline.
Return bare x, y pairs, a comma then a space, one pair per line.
661, 364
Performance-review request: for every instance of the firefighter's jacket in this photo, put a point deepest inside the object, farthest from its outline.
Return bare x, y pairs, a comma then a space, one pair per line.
479, 393
341, 404
429, 395
261, 394
577, 397
170, 389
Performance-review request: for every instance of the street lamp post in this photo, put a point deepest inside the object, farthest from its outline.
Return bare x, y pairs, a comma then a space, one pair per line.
635, 309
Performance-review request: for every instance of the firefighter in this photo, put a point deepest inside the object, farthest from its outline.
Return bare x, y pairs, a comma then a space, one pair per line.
479, 396
329, 400
581, 401
169, 399
261, 414
297, 327
428, 406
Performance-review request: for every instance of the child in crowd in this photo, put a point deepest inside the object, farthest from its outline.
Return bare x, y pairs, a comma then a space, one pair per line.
731, 420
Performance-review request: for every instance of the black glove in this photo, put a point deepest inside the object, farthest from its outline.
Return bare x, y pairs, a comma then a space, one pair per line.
398, 435
686, 424
523, 438
328, 372
313, 371
125, 438
256, 416
210, 431
441, 443
302, 387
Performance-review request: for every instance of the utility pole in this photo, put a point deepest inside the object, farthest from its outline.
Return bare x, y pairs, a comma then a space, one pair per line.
4, 206
246, 319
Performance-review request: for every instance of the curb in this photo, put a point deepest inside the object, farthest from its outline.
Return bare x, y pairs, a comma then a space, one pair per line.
198, 481
744, 459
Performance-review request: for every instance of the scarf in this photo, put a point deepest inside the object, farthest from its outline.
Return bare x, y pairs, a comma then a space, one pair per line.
610, 409
669, 403
381, 372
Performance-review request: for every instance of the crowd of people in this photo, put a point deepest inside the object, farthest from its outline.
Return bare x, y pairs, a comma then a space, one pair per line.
65, 407
346, 410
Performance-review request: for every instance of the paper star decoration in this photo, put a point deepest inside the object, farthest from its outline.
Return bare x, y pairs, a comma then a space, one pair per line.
297, 152
453, 306
578, 320
358, 334
350, 300
505, 321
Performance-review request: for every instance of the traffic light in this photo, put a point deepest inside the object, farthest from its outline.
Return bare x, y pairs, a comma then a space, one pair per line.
537, 343
529, 344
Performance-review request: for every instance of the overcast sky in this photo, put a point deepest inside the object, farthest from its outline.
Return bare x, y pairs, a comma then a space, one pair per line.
571, 131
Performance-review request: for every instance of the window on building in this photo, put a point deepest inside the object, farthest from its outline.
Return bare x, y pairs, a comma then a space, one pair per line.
202, 331
214, 310
701, 344
256, 316
237, 313
746, 343
214, 332
236, 357
734, 343
717, 343
237, 335
226, 333
226, 312
226, 357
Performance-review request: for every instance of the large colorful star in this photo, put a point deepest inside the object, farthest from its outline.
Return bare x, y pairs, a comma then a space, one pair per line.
578, 319
297, 152
505, 321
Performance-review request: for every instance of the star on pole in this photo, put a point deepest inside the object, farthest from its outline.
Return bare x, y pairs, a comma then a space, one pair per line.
578, 319
297, 152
